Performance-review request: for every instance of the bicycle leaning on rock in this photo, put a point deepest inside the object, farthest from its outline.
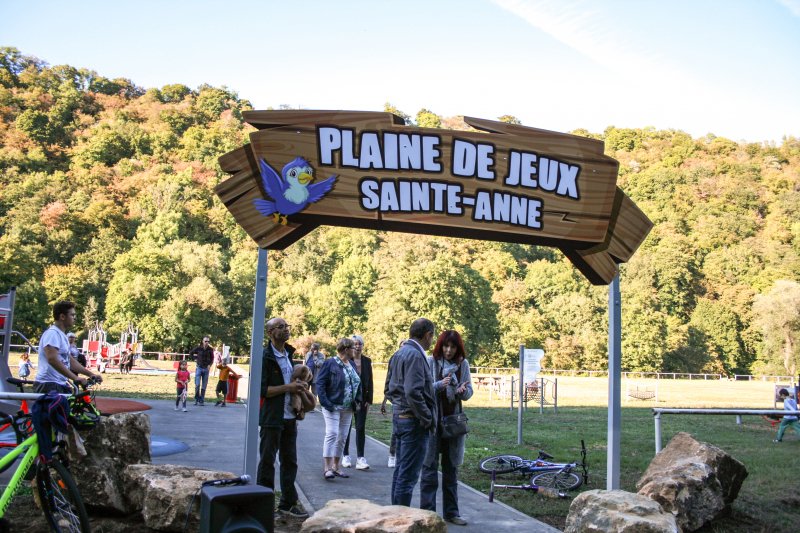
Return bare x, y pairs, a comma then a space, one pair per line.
55, 490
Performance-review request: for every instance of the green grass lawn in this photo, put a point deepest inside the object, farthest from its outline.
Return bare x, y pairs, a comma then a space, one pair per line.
769, 499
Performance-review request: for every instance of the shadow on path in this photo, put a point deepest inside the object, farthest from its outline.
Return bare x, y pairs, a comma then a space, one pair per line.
215, 437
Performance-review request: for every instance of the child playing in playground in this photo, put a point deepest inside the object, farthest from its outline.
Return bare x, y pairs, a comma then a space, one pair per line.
789, 404
304, 401
182, 382
225, 373
25, 366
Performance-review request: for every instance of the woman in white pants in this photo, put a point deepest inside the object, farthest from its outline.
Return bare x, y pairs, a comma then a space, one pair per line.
338, 387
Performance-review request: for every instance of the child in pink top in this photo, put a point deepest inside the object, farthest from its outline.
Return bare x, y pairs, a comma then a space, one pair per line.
182, 381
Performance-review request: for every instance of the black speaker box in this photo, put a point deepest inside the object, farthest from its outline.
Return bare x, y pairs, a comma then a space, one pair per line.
237, 509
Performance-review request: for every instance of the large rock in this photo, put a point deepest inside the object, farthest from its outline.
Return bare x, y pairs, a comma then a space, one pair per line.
695, 481
117, 441
362, 516
602, 511
164, 493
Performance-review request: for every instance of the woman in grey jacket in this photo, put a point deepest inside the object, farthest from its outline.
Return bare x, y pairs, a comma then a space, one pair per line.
452, 384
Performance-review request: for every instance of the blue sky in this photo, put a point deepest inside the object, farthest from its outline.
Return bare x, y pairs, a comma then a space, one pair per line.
731, 68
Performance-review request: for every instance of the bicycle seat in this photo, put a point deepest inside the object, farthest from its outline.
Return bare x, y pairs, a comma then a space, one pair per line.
544, 455
19, 382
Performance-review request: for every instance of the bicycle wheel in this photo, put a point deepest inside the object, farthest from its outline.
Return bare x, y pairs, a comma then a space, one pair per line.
558, 479
501, 464
60, 499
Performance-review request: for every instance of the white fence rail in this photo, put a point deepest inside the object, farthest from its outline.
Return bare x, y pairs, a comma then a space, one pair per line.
175, 356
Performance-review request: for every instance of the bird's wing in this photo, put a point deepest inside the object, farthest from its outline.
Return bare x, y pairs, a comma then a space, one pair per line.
273, 183
265, 207
317, 190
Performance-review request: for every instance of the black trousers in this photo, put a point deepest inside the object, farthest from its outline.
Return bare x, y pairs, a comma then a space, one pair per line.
282, 441
360, 421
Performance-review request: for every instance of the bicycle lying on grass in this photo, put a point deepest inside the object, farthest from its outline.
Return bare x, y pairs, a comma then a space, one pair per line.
544, 473
55, 490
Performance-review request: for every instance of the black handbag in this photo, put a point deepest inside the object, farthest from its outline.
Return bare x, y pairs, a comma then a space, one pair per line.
454, 425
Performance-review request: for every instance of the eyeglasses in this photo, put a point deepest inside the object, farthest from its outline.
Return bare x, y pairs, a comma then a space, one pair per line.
281, 327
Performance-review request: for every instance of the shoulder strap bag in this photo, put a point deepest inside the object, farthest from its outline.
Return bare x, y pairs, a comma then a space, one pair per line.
455, 425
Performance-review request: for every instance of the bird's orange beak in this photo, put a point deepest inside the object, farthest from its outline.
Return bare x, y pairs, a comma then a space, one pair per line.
304, 178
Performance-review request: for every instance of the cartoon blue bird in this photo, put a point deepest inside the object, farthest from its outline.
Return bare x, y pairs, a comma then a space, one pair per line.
293, 193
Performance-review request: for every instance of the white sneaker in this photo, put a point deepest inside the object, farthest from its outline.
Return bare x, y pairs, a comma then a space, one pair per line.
346, 462
185, 409
361, 464
176, 408
392, 461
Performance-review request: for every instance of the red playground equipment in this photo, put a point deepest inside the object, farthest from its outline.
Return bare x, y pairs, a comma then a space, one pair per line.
101, 354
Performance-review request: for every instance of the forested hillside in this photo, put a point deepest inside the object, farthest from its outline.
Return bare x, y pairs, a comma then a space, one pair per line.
106, 198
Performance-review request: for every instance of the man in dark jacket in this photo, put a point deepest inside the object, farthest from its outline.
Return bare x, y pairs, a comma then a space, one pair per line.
203, 355
277, 420
409, 386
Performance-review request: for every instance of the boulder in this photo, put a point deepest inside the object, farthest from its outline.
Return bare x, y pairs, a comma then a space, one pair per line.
693, 480
362, 516
602, 511
114, 443
164, 493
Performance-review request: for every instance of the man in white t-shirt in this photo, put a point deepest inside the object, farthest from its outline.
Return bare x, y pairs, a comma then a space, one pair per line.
56, 365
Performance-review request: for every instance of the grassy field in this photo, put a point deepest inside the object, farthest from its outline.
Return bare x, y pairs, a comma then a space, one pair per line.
769, 499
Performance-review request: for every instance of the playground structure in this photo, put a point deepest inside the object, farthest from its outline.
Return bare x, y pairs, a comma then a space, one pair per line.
636, 391
541, 391
100, 353
7, 301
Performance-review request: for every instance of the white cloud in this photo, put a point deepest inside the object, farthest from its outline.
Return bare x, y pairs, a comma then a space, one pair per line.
791, 5
594, 33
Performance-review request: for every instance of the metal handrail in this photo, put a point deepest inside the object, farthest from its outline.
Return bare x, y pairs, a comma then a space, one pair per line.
658, 411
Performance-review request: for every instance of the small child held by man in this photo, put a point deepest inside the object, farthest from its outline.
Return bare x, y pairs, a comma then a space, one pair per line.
304, 401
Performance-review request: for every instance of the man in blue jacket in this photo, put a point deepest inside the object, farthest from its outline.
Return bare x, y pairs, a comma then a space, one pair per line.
409, 386
277, 419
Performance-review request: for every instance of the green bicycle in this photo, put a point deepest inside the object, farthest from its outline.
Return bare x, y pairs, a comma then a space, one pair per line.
55, 489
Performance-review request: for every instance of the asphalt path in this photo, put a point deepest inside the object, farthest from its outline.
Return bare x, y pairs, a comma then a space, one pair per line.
215, 439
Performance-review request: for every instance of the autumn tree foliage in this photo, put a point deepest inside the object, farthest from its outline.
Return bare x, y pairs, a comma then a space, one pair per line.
106, 198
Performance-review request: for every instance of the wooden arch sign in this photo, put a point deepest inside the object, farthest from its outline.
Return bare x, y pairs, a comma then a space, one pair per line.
501, 182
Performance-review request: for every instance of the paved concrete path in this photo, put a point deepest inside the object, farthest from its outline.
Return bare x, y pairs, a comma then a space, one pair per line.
215, 436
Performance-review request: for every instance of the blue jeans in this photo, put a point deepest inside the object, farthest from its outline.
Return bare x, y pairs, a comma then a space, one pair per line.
787, 424
412, 442
430, 483
200, 377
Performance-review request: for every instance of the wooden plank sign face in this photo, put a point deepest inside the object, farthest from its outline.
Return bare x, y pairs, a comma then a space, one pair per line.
507, 183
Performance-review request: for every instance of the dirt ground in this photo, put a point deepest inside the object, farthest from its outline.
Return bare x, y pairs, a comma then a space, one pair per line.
24, 517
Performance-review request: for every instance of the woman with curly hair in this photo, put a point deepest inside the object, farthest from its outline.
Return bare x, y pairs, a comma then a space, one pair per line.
452, 384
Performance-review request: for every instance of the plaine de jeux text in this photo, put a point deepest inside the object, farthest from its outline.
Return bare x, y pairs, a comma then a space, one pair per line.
388, 150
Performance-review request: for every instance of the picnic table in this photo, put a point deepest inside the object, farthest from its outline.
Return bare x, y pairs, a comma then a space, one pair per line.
494, 383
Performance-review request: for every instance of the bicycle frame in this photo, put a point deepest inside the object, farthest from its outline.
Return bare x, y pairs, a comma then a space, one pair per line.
24, 407
544, 491
539, 465
29, 449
